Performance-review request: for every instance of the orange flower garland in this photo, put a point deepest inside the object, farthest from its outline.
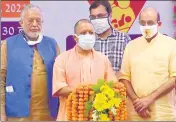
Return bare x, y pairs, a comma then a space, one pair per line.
76, 104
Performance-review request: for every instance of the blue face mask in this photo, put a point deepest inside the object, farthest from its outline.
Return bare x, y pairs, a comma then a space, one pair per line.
86, 42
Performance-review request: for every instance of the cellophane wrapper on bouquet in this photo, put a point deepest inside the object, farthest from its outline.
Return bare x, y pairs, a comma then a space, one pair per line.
104, 101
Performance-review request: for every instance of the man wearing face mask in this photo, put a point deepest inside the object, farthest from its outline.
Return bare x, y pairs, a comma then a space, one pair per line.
149, 72
80, 65
26, 70
109, 41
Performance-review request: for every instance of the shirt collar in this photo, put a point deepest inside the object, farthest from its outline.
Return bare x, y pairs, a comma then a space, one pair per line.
154, 39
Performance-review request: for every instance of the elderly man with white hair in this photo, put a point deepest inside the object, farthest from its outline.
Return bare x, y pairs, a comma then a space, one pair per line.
26, 68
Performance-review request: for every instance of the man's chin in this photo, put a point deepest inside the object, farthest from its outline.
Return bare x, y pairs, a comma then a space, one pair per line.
34, 35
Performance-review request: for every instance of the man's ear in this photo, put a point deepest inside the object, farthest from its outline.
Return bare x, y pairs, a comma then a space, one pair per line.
21, 22
75, 38
159, 23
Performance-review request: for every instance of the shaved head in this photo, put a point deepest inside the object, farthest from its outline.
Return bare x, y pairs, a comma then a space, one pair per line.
81, 21
149, 13
83, 27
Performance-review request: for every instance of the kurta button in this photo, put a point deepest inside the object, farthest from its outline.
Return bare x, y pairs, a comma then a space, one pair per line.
28, 85
30, 65
29, 96
31, 56
29, 75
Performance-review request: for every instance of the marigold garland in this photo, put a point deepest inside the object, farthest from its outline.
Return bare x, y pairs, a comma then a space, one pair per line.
104, 101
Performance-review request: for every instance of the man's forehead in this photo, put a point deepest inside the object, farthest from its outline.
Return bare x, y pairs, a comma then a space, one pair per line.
147, 16
99, 10
149, 12
32, 12
82, 26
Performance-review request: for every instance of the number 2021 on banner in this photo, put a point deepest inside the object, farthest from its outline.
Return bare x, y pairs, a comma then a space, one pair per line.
12, 9
9, 29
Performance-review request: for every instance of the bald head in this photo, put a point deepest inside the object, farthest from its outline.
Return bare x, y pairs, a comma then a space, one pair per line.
83, 26
149, 14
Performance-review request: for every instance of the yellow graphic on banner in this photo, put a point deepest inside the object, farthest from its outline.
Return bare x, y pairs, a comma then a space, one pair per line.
123, 15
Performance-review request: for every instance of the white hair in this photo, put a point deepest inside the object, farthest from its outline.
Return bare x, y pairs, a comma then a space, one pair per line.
31, 7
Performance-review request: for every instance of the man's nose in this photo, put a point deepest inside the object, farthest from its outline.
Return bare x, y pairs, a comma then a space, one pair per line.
34, 23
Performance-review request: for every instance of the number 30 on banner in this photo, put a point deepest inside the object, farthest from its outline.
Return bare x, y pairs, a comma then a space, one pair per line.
12, 9
9, 29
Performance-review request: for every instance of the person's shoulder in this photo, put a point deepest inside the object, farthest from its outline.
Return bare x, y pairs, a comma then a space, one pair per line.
119, 33
168, 39
100, 55
135, 42
122, 36
50, 39
64, 55
12, 38
3, 42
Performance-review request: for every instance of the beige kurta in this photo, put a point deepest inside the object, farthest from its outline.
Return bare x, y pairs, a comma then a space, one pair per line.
71, 68
39, 100
148, 66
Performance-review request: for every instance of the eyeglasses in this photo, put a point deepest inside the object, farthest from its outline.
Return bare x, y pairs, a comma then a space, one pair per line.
149, 23
99, 16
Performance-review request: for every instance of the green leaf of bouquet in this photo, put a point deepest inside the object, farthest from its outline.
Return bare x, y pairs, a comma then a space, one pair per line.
110, 84
88, 106
92, 97
100, 82
96, 87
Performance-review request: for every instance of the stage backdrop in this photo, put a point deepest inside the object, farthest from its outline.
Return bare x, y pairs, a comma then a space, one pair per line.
60, 17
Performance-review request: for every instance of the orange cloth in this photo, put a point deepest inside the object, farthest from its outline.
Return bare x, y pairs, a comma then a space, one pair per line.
72, 69
39, 99
148, 66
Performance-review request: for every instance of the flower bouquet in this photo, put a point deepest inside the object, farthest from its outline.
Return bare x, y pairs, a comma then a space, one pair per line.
104, 101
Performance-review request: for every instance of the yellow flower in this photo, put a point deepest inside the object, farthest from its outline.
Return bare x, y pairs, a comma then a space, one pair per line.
105, 89
100, 97
117, 102
111, 103
99, 105
100, 102
104, 117
105, 105
110, 93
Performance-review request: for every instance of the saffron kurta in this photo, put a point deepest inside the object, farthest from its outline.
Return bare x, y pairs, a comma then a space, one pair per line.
72, 68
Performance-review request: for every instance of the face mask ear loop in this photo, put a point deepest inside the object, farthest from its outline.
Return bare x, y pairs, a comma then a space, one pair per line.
75, 35
109, 21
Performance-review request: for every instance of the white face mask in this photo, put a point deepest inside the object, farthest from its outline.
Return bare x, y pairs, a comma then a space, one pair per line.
100, 25
149, 31
86, 42
34, 42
